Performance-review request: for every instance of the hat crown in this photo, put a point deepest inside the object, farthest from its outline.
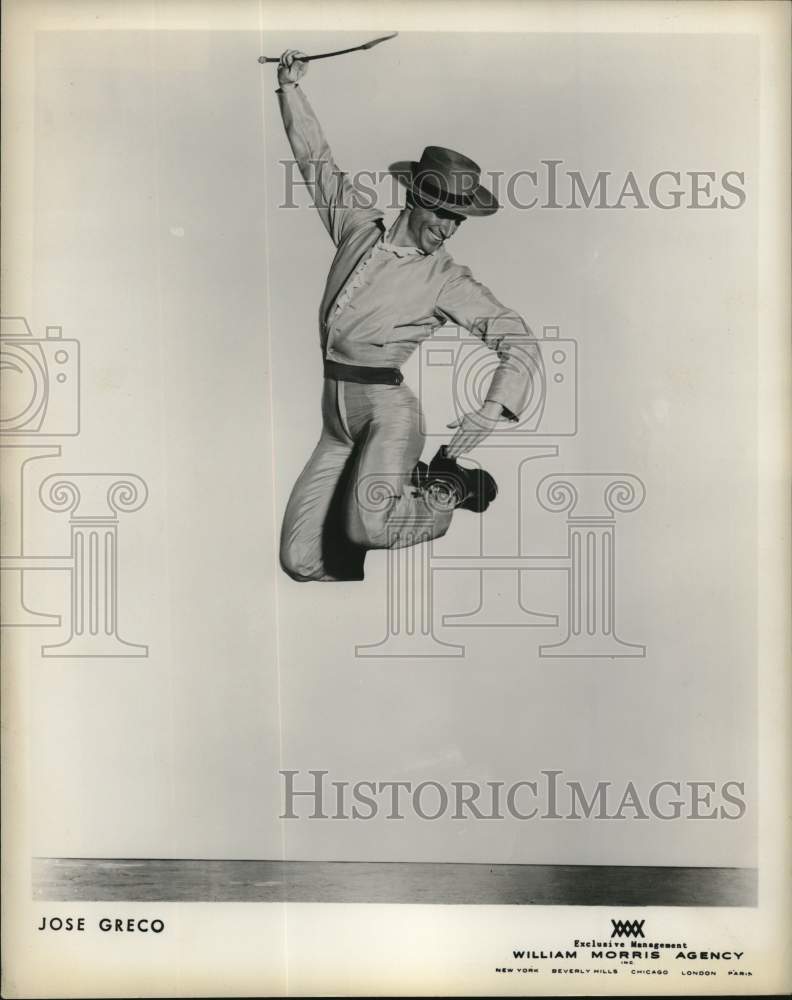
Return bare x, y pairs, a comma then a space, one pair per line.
446, 172
444, 179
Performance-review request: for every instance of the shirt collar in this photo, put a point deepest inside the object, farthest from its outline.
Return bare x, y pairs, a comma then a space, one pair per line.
389, 221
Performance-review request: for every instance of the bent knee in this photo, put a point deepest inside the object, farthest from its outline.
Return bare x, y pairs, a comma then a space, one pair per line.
299, 567
301, 574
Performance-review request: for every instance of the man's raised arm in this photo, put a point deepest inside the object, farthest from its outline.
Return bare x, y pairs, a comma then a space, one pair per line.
331, 190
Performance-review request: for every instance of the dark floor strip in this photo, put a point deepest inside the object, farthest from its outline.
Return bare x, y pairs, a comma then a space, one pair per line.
67, 879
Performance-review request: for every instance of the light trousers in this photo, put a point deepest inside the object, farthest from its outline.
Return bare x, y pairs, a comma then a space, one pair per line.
355, 492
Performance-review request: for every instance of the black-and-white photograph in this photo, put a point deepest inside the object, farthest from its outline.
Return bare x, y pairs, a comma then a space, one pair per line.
394, 473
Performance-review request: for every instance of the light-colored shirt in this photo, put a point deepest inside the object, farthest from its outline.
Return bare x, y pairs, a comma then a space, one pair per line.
380, 302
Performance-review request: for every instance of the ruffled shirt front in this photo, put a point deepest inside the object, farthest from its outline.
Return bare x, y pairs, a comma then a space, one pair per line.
383, 245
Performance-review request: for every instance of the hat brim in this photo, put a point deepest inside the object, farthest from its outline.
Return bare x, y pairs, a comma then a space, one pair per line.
482, 201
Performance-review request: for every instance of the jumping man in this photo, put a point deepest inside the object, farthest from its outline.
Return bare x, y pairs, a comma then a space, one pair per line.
385, 293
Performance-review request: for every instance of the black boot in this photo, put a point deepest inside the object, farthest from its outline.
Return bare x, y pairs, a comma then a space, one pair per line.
470, 489
419, 475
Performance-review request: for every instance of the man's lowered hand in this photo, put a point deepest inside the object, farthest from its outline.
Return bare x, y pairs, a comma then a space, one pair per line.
473, 428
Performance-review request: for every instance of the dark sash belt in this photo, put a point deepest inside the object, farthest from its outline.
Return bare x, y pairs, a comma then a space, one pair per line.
362, 374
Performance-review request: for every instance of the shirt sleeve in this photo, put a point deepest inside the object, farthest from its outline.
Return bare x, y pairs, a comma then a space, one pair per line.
468, 303
341, 208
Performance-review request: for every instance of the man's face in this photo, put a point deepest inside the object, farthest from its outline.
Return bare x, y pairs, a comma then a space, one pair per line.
431, 227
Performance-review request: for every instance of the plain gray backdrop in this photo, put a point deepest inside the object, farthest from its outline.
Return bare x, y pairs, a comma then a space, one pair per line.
160, 245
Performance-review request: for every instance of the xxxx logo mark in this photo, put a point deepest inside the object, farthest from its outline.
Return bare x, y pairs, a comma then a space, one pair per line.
627, 928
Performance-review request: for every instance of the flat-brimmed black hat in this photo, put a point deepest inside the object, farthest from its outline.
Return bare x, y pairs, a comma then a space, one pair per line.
448, 180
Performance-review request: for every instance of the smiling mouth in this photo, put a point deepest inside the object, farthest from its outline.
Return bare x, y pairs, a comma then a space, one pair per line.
437, 237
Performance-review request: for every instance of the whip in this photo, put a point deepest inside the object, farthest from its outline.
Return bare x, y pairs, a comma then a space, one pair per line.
338, 52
